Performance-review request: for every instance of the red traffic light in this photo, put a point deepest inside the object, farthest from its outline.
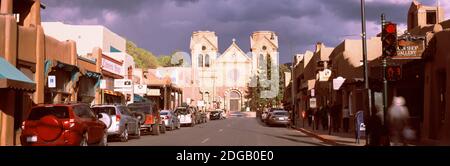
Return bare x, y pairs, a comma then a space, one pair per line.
391, 28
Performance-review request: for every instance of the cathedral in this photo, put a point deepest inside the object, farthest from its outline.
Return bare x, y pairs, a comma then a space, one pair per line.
221, 80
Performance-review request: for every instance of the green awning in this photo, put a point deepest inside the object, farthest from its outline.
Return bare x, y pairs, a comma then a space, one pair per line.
11, 77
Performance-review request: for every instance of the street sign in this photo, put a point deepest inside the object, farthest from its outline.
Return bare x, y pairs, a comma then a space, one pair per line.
52, 81
123, 83
201, 103
140, 89
102, 84
312, 103
324, 75
394, 73
338, 82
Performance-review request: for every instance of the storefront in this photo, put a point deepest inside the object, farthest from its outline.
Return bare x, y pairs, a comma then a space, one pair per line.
64, 77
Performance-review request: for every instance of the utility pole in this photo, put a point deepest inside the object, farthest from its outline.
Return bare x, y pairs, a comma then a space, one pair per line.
366, 72
364, 43
293, 95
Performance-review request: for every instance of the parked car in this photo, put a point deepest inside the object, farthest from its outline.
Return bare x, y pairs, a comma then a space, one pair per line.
149, 117
186, 116
216, 115
267, 112
63, 125
278, 117
170, 120
119, 121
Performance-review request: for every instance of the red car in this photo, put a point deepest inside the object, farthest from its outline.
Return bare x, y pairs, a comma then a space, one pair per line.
63, 125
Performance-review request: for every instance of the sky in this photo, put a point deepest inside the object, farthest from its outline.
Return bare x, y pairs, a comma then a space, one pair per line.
165, 26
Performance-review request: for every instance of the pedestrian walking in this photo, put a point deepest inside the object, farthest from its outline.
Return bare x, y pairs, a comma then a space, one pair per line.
398, 117
346, 118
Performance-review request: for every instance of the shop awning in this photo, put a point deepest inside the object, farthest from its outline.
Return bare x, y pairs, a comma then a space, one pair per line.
11, 77
138, 98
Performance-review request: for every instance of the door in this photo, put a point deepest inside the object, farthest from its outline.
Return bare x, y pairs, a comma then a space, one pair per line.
235, 99
234, 105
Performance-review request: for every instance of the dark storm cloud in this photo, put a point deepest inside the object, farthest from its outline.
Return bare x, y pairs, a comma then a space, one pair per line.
163, 26
350, 9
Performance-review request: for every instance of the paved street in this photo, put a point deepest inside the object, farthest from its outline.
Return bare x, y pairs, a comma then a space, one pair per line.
234, 131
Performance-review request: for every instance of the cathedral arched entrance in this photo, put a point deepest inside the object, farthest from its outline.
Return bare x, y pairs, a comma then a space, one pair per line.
235, 100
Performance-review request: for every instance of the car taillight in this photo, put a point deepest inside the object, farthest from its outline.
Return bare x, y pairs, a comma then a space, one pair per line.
69, 124
117, 118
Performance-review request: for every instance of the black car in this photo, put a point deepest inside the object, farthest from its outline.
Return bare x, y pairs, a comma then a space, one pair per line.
216, 115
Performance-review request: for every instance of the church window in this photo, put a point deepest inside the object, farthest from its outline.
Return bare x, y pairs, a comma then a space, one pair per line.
264, 48
207, 60
261, 61
203, 48
200, 60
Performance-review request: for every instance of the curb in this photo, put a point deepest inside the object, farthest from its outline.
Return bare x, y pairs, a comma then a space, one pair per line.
312, 134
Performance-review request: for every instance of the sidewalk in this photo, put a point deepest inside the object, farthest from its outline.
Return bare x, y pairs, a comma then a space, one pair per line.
337, 139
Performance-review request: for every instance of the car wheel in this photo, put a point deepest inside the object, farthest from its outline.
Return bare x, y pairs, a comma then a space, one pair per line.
163, 128
124, 135
84, 140
155, 129
104, 141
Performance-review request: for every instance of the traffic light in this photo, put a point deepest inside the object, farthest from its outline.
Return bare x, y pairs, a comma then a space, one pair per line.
389, 38
394, 73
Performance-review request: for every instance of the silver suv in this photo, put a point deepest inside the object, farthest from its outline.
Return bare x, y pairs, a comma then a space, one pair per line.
119, 121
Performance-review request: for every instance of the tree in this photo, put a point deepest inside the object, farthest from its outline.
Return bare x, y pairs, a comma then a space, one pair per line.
144, 59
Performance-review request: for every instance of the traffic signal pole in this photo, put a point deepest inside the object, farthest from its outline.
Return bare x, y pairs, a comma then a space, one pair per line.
385, 82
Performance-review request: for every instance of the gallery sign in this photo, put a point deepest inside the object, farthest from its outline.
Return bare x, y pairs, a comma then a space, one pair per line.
410, 48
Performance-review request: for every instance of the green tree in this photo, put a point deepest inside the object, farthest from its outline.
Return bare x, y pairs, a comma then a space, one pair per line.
144, 59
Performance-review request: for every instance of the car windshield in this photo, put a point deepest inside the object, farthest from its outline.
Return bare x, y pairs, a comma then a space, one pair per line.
164, 113
107, 110
60, 112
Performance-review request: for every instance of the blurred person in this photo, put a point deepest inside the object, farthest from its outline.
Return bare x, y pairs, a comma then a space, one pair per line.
398, 117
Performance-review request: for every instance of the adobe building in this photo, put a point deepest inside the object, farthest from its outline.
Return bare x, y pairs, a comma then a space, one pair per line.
301, 86
434, 63
35, 55
114, 62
